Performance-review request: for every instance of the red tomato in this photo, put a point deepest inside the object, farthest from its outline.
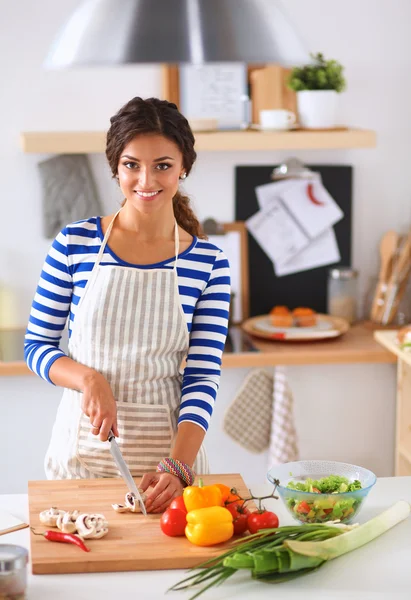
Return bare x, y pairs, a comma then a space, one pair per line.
173, 522
178, 503
264, 519
303, 507
240, 516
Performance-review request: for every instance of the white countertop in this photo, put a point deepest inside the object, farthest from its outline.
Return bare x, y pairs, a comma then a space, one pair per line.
380, 570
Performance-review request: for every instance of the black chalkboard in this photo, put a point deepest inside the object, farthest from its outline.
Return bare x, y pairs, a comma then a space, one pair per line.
308, 288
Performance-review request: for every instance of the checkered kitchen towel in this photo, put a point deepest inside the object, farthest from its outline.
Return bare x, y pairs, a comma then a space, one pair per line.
283, 436
261, 416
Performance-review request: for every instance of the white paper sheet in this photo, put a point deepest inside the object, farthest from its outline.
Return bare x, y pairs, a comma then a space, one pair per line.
320, 252
230, 244
314, 211
268, 191
277, 232
307, 200
312, 206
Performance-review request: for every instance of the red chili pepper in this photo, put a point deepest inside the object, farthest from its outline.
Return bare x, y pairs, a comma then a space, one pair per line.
60, 536
310, 194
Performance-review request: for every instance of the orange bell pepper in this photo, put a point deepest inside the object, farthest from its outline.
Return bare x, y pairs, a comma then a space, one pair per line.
202, 496
209, 526
227, 495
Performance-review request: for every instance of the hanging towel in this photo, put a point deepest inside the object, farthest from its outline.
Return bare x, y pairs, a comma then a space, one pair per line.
260, 417
283, 436
69, 192
247, 420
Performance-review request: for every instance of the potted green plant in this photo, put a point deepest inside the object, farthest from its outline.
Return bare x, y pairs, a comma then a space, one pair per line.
317, 85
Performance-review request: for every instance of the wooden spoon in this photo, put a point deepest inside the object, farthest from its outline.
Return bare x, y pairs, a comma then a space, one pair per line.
388, 246
397, 281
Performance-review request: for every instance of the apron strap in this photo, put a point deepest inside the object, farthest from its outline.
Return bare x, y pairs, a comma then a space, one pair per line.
176, 245
105, 240
94, 270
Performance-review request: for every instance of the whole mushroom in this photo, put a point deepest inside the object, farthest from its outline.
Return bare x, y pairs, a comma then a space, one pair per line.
91, 526
49, 517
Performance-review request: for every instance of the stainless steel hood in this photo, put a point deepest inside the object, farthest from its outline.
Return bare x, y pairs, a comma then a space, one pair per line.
113, 32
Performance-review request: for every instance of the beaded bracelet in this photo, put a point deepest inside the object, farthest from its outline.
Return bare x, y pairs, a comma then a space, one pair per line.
176, 467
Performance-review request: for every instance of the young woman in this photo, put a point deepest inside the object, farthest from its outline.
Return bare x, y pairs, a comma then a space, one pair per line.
142, 291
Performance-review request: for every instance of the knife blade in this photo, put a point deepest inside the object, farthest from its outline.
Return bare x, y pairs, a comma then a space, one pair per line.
125, 471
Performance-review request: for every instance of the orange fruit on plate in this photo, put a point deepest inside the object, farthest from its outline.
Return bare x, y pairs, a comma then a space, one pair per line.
280, 316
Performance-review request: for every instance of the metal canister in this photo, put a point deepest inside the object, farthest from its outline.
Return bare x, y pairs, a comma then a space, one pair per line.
13, 572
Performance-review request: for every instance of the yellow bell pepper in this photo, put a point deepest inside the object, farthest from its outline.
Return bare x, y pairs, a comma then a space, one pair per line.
209, 526
199, 496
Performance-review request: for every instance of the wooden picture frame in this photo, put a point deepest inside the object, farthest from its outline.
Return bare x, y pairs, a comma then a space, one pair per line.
239, 268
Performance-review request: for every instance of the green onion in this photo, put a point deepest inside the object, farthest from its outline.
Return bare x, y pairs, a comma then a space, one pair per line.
281, 554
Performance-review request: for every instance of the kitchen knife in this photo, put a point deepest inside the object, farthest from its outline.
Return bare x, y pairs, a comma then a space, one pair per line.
125, 471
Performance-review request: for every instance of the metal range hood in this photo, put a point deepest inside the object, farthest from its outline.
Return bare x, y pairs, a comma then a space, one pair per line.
115, 32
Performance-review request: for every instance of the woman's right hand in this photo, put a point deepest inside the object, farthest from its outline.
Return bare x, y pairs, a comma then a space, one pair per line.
99, 405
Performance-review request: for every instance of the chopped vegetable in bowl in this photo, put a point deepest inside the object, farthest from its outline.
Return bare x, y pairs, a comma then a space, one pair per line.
321, 491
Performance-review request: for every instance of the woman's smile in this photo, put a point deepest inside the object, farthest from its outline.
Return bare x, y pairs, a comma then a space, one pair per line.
148, 195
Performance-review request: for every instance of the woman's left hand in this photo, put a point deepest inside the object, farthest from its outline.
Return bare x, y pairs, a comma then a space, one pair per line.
165, 486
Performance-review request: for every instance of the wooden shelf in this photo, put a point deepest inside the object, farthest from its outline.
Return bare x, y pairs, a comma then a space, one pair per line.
388, 340
89, 142
356, 346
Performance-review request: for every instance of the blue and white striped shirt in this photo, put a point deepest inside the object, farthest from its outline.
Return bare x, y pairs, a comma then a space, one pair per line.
204, 289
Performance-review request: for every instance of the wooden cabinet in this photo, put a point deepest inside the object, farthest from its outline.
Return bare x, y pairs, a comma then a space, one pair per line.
403, 415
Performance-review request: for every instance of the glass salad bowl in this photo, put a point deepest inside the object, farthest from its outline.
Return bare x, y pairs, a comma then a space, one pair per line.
317, 491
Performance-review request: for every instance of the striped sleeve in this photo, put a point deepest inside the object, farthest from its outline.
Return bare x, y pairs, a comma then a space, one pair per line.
50, 310
207, 338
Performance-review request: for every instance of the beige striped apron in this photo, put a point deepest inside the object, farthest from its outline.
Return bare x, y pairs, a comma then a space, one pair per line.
130, 327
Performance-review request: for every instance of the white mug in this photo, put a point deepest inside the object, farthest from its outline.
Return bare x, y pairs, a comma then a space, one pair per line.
276, 119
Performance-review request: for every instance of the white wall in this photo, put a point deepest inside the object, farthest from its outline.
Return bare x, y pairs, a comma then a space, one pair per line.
343, 412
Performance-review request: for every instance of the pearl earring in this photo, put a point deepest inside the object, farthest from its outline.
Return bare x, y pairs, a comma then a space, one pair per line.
183, 176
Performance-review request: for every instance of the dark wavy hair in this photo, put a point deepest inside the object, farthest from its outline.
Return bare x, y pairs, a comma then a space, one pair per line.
154, 116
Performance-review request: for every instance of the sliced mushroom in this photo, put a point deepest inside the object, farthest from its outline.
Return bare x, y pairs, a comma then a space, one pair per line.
67, 522
120, 508
91, 526
132, 502
49, 517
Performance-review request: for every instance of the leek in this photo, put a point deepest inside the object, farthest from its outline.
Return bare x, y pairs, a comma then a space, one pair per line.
281, 554
357, 537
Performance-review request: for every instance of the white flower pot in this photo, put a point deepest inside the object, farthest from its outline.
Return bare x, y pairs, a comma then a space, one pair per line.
317, 109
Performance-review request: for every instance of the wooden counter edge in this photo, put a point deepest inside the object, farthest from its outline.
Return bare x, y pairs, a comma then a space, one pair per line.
281, 354
387, 339
14, 369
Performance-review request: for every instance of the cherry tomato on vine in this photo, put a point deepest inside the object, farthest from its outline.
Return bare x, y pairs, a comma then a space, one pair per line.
240, 516
173, 522
263, 519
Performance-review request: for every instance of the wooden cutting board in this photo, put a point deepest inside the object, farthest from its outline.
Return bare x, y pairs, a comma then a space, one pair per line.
133, 543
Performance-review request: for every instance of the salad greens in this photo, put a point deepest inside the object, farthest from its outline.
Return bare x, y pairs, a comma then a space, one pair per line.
333, 484
324, 508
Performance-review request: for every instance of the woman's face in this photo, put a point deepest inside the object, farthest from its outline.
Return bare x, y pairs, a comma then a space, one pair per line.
149, 170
